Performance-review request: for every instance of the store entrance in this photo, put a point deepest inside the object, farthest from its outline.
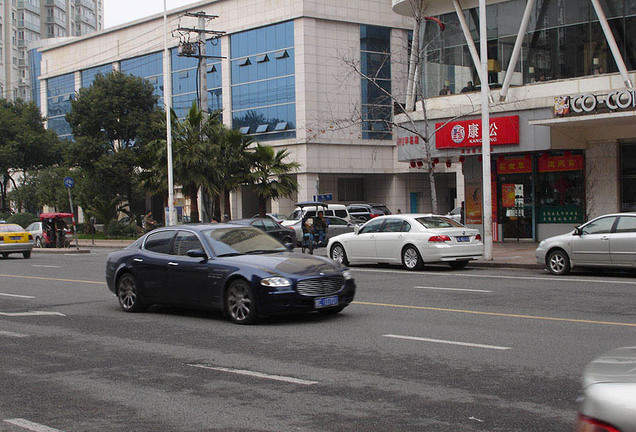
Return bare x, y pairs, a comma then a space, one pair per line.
516, 205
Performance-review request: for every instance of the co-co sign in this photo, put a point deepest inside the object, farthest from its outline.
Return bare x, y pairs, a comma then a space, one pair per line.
623, 99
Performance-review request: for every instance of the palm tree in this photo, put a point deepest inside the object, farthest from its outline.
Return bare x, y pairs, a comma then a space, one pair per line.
194, 157
232, 162
271, 176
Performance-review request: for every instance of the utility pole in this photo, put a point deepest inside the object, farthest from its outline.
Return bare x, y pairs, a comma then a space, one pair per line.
187, 49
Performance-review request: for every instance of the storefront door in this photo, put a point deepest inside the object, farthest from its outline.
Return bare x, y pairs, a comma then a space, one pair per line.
516, 205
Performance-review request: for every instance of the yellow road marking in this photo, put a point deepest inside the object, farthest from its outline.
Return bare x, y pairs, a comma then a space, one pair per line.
498, 314
52, 279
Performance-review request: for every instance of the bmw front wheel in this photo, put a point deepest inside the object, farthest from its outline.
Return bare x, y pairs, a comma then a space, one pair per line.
338, 254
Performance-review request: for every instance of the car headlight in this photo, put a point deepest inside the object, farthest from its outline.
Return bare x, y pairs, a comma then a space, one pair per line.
276, 282
347, 275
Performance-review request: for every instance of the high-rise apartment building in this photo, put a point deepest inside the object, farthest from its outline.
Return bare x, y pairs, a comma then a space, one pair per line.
25, 21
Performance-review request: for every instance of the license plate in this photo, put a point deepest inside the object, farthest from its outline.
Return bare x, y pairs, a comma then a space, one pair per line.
463, 239
16, 237
323, 302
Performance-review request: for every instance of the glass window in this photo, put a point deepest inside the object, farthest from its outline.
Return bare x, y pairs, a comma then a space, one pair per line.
185, 241
88, 75
372, 226
392, 225
599, 226
406, 227
625, 224
231, 241
270, 224
159, 242
351, 189
336, 221
438, 222
258, 224
628, 177
375, 63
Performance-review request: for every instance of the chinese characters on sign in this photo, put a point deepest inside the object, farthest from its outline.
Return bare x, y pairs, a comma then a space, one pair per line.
467, 133
514, 166
561, 163
565, 214
409, 140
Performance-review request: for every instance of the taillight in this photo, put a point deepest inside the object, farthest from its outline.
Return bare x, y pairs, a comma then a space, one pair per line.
588, 424
439, 238
371, 216
1, 238
30, 237
478, 237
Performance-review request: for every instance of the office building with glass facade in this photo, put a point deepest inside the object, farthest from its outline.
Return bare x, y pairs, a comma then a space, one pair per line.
563, 136
289, 77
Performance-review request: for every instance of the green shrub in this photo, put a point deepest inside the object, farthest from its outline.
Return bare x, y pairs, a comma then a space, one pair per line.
5, 216
22, 219
116, 229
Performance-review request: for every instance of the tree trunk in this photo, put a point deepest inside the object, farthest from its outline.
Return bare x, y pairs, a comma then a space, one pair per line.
194, 207
431, 178
228, 208
262, 206
217, 208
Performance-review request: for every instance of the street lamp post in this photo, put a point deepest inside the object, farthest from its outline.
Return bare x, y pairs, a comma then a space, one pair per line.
485, 135
167, 100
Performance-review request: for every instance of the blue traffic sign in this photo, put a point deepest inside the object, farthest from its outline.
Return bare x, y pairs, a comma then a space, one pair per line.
323, 197
68, 182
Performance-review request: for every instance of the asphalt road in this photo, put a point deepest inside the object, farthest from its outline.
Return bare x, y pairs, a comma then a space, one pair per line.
438, 350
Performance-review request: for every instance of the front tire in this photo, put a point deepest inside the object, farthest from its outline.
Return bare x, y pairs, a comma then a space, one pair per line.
411, 258
128, 294
240, 303
558, 262
338, 254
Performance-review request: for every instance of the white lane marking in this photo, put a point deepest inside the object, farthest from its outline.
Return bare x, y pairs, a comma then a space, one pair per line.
467, 344
452, 289
256, 374
46, 266
26, 424
37, 313
475, 275
16, 295
11, 334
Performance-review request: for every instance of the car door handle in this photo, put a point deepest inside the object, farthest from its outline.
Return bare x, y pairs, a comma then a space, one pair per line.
138, 260
604, 238
174, 264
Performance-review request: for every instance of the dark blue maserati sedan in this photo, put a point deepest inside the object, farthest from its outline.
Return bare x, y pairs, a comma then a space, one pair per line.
237, 269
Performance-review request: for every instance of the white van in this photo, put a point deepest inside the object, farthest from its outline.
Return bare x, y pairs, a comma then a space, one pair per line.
339, 210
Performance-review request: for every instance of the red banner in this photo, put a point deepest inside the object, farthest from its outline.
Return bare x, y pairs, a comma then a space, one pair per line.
561, 163
514, 166
467, 133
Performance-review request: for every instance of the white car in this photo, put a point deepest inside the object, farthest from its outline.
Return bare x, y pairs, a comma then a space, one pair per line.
607, 241
35, 229
408, 239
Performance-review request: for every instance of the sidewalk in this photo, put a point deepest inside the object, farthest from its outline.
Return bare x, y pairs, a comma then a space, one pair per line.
506, 254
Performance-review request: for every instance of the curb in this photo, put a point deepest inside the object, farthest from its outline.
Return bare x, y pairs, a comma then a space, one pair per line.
61, 251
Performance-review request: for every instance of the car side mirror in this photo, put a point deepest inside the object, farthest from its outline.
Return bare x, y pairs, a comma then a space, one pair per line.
578, 231
197, 253
356, 230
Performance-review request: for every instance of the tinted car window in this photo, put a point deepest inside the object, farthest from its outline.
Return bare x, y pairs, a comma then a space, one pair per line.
383, 209
438, 222
340, 213
392, 225
600, 226
270, 224
159, 242
184, 242
373, 226
336, 221
406, 227
357, 210
626, 224
258, 224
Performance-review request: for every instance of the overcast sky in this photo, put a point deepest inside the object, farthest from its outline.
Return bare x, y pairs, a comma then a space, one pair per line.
122, 11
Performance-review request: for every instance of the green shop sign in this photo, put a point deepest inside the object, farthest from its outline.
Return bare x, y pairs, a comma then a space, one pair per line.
560, 214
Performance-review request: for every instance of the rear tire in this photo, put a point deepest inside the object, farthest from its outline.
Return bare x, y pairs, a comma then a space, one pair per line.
128, 294
411, 258
240, 303
26, 254
338, 254
458, 265
558, 262
39, 242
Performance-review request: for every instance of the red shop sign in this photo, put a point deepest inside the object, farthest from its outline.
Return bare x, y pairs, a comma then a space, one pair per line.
514, 166
467, 133
560, 163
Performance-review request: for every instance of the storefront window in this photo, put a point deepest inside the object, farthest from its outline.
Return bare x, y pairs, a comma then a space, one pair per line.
628, 177
560, 189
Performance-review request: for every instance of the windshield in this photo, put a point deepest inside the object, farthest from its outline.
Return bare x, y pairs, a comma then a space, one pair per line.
438, 222
11, 228
242, 240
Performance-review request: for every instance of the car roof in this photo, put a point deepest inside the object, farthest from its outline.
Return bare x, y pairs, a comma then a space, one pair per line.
196, 227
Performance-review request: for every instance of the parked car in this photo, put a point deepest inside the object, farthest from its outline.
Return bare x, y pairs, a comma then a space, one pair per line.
283, 234
278, 217
367, 211
336, 226
237, 269
608, 403
606, 241
14, 239
408, 239
35, 229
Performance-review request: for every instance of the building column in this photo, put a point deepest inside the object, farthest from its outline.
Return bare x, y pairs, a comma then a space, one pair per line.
307, 186
226, 81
